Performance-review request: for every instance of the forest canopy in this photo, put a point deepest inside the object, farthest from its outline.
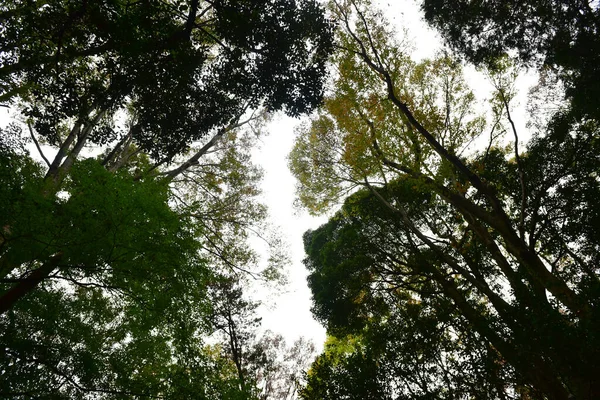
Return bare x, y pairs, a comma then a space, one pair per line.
461, 254
130, 197
462, 261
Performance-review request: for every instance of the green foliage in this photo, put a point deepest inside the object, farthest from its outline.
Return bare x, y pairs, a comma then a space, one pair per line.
367, 282
342, 146
186, 67
125, 300
353, 376
125, 311
108, 264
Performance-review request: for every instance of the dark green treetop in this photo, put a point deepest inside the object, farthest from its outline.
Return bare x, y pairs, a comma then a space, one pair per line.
562, 35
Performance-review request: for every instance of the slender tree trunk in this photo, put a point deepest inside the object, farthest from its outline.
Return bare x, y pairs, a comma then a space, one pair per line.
534, 368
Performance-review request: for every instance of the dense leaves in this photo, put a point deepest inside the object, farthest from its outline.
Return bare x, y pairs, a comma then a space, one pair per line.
119, 274
187, 67
109, 259
461, 272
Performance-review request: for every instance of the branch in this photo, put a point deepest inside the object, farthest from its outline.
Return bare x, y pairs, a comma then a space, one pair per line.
14, 294
81, 141
519, 166
37, 145
212, 142
191, 19
62, 151
124, 142
501, 306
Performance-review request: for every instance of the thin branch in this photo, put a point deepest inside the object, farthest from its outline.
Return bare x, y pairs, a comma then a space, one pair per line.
519, 166
124, 142
211, 143
37, 145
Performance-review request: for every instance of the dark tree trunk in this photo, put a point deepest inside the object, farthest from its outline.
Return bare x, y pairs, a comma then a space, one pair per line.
14, 294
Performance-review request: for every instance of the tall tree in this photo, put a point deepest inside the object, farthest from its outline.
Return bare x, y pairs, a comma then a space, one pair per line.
141, 258
492, 234
557, 34
267, 368
106, 259
177, 72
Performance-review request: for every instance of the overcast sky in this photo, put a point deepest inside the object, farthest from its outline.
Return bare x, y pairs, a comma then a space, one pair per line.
289, 313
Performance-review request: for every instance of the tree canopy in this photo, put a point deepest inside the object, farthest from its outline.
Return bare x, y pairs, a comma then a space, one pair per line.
457, 270
560, 35
129, 190
208, 60
462, 260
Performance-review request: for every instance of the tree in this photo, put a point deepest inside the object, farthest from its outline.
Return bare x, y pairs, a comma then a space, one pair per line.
267, 368
562, 35
370, 285
141, 257
206, 65
492, 235
73, 84
345, 370
106, 259
123, 281
278, 367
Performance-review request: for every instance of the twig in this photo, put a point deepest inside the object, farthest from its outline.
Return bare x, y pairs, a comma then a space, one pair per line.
37, 145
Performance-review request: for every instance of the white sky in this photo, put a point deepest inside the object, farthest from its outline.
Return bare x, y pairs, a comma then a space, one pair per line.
291, 315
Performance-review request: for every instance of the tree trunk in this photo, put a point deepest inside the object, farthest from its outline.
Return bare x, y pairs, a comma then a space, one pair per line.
8, 299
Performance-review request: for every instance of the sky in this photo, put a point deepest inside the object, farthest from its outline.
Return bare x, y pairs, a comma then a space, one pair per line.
289, 313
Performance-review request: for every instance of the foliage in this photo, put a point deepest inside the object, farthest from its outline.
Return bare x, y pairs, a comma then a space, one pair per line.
110, 251
462, 274
267, 368
208, 61
128, 278
277, 367
355, 377
562, 35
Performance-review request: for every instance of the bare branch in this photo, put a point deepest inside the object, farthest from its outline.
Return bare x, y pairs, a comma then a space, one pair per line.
519, 166
37, 145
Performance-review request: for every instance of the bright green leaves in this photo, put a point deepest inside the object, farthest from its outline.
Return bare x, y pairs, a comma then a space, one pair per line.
98, 219
129, 280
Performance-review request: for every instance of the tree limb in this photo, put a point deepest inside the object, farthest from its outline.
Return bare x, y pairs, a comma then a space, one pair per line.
37, 145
